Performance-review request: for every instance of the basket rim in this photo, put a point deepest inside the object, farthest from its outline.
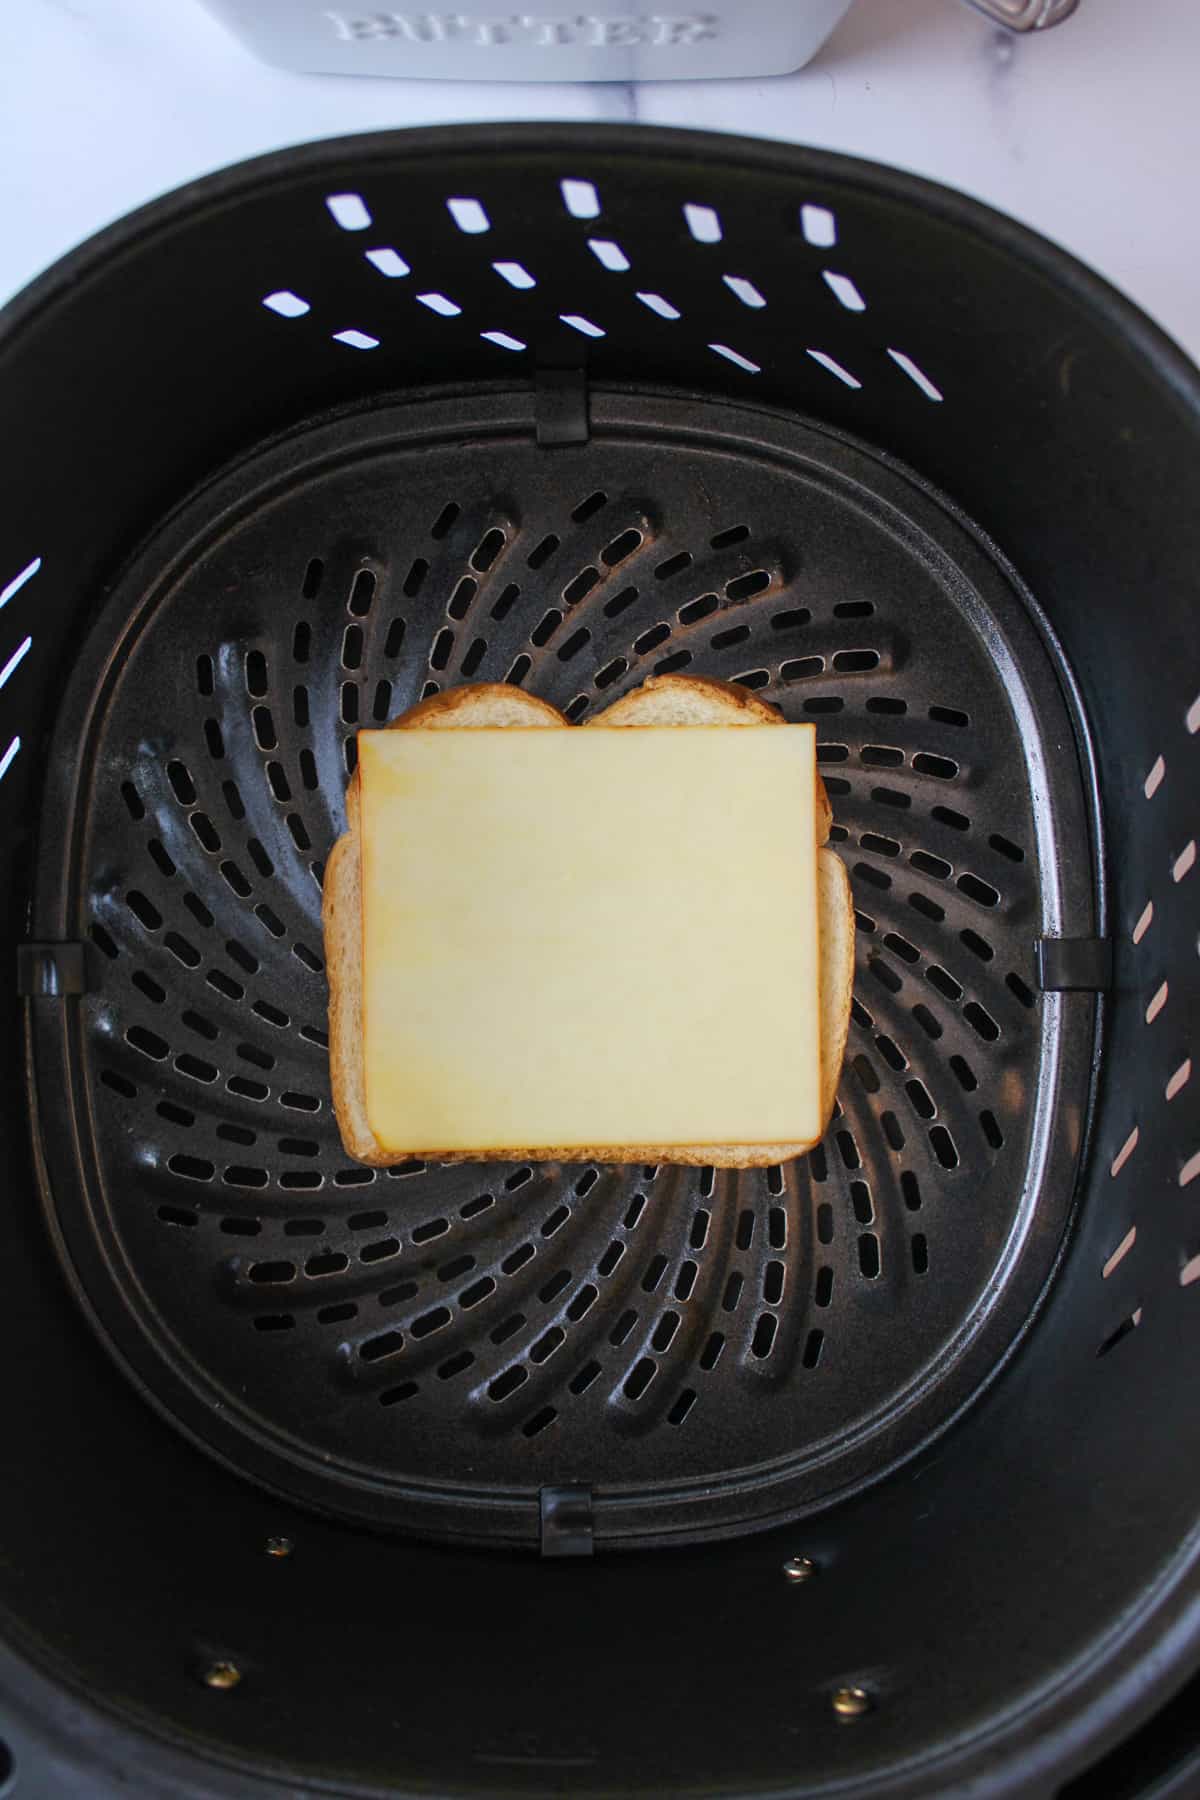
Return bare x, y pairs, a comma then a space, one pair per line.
1105, 302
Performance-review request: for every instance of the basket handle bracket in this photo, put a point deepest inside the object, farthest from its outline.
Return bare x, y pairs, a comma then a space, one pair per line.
567, 1521
1067, 965
51, 971
560, 407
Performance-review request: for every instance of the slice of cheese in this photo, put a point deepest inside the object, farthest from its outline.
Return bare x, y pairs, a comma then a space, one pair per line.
589, 938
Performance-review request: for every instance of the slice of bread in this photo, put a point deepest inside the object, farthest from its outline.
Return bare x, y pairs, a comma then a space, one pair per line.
662, 700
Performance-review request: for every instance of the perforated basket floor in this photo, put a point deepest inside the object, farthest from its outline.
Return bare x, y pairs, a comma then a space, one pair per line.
430, 1347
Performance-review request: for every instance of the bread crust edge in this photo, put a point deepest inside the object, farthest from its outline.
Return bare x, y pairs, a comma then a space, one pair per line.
341, 919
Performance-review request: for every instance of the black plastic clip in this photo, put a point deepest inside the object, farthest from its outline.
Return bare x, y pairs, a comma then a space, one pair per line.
560, 407
567, 1521
50, 971
1066, 965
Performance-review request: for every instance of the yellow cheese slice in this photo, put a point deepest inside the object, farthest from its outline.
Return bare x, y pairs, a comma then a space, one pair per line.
589, 938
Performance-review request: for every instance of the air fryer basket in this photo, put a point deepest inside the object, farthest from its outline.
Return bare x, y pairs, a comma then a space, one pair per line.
565, 408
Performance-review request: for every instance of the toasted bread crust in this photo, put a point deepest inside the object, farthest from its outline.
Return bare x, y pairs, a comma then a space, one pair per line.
341, 917
484, 704
662, 700
738, 706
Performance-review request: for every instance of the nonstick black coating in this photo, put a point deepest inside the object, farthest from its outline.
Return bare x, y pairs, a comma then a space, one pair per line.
433, 1346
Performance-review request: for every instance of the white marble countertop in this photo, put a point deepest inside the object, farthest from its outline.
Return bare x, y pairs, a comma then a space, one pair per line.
1089, 132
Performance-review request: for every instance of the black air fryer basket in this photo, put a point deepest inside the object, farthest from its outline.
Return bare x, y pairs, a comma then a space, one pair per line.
871, 1474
